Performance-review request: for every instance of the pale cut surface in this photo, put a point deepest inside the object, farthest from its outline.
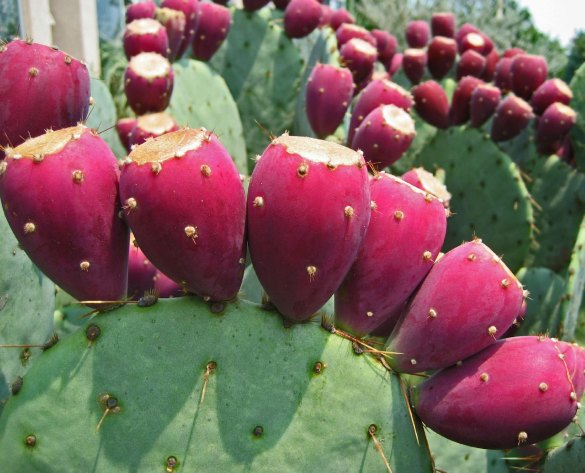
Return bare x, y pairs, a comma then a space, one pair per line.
414, 52
156, 123
319, 151
150, 65
144, 26
168, 146
398, 119
564, 88
50, 143
475, 39
363, 46
565, 110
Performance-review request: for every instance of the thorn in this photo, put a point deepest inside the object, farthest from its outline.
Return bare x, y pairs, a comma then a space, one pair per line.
372, 432
209, 369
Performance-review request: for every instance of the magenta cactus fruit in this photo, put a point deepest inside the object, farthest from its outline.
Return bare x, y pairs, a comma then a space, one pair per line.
329, 93
141, 273
513, 52
151, 125
484, 101
145, 36
528, 72
491, 61
378, 92
471, 63
148, 83
464, 30
414, 63
502, 75
431, 104
427, 182
190, 9
339, 17
460, 104
165, 287
441, 55
395, 64
280, 4
417, 34
520, 390
386, 43
349, 31
384, 135
477, 42
308, 211
124, 127
406, 231
549, 92
443, 24
186, 185
359, 57
214, 25
28, 71
253, 5
175, 23
326, 14
467, 301
84, 248
554, 124
301, 17
143, 9
511, 117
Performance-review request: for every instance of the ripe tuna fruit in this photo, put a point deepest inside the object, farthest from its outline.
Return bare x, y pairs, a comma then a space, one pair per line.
465, 29
329, 93
469, 299
528, 72
84, 248
151, 126
308, 211
405, 234
460, 104
190, 9
471, 63
384, 135
378, 92
417, 33
443, 24
280, 4
477, 42
414, 63
484, 101
554, 124
441, 55
349, 31
253, 5
214, 25
148, 83
549, 92
302, 17
175, 23
359, 57
513, 52
424, 180
502, 75
520, 390
341, 16
491, 61
124, 127
386, 44
141, 273
511, 117
165, 287
28, 71
395, 64
186, 185
145, 36
431, 103
144, 9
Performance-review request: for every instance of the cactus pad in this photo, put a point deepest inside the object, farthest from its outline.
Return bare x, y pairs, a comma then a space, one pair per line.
578, 104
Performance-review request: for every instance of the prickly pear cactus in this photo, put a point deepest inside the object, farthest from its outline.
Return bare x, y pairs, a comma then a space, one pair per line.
578, 103
190, 386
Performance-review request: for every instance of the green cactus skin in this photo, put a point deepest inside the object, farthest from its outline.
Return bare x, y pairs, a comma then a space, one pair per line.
521, 150
201, 98
27, 299
578, 104
489, 196
268, 406
569, 457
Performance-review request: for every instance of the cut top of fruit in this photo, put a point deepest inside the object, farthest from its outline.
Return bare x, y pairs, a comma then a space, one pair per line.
169, 145
165, 14
150, 65
156, 123
319, 151
398, 119
144, 26
50, 143
363, 47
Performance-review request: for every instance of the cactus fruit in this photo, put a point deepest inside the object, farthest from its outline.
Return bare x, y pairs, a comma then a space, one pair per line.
308, 210
253, 5
73, 169
460, 104
384, 135
427, 182
484, 101
513, 52
175, 23
417, 34
405, 234
471, 63
477, 403
431, 103
165, 287
214, 25
502, 75
329, 93
280, 4
124, 127
359, 57
443, 24
386, 43
326, 14
395, 64
27, 72
139, 10
553, 126
468, 300
302, 17
464, 30
190, 9
349, 31
339, 17
145, 36
151, 126
148, 83
491, 61
441, 55
187, 180
511, 117
141, 273
414, 63
549, 92
477, 42
528, 72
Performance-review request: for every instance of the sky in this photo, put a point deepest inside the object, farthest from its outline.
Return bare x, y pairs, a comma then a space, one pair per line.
559, 18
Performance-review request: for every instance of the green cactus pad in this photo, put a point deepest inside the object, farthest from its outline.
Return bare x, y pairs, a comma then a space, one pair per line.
578, 104
569, 458
267, 408
27, 299
489, 199
522, 151
454, 457
201, 98
573, 296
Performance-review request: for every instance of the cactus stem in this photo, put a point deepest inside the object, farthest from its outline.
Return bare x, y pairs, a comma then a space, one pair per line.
372, 432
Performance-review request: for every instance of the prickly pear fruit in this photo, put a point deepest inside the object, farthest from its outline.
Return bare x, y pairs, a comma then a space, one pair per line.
186, 185
280, 4
143, 9
326, 14
378, 92
190, 9
141, 273
441, 55
406, 231
386, 44
460, 104
511, 117
349, 31
124, 127
424, 180
395, 64
502, 75
554, 124
443, 24
359, 57
519, 390
414, 63
214, 25
329, 93
84, 247
302, 17
151, 126
148, 83
339, 17
464, 30
165, 287
484, 101
549, 92
27, 72
468, 299
308, 211
528, 72
175, 23
431, 103
491, 61
384, 135
513, 52
417, 34
145, 36
477, 42
471, 63
253, 5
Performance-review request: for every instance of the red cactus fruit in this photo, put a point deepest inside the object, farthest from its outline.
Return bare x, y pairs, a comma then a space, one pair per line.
513, 52
148, 83
349, 31
441, 55
511, 117
414, 63
143, 9
308, 211
359, 57
492, 59
28, 71
386, 44
520, 390
124, 127
424, 180
190, 9
468, 300
549, 92
253, 5
175, 23
406, 232
85, 248
329, 93
151, 125
464, 30
528, 73
280, 4
141, 273
214, 25
165, 287
443, 24
477, 42
417, 34
471, 63
339, 17
484, 101
554, 124
145, 36
326, 14
301, 17
502, 75
460, 104
395, 64
431, 104
186, 185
